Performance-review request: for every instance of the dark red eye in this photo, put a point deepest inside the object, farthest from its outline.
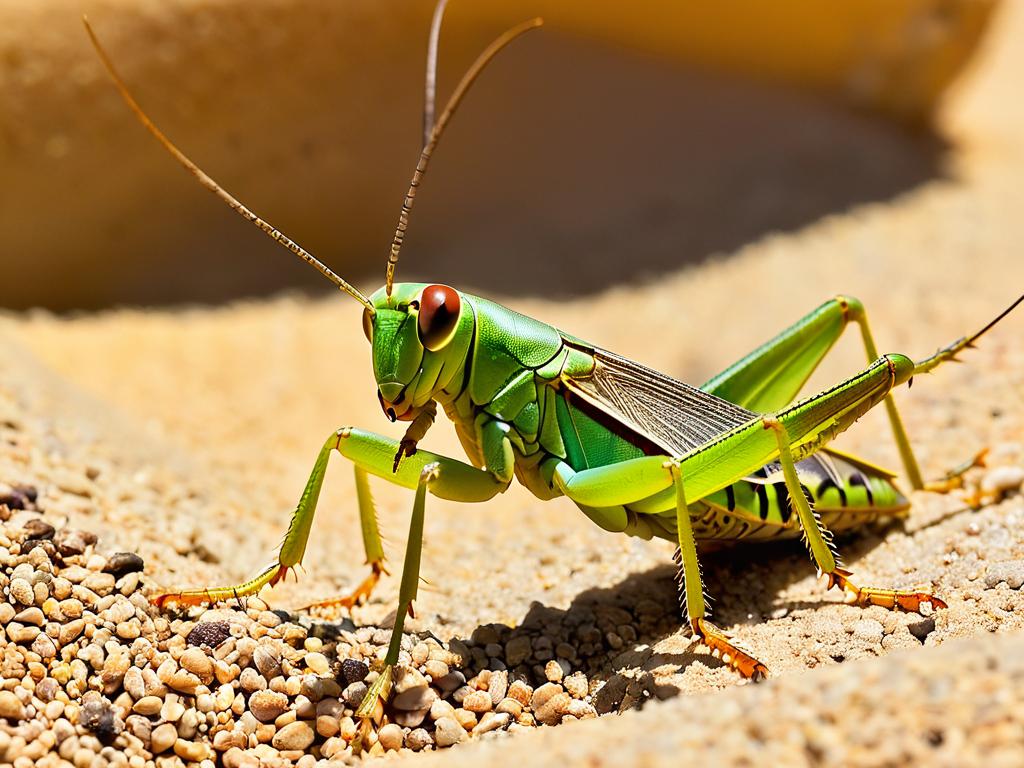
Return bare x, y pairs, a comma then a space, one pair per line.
439, 314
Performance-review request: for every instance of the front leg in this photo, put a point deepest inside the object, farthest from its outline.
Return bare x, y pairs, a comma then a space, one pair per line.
416, 431
370, 453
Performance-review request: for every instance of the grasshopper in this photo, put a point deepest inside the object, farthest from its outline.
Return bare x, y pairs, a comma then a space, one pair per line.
640, 453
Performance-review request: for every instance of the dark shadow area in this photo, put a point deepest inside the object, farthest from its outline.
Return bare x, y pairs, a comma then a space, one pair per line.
743, 581
572, 167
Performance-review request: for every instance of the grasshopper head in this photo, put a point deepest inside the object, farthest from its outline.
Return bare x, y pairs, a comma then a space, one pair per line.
420, 337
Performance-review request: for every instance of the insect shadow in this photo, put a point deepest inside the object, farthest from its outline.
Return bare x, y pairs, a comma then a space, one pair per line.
611, 633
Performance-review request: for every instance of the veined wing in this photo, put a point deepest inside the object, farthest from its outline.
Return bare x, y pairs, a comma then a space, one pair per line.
673, 415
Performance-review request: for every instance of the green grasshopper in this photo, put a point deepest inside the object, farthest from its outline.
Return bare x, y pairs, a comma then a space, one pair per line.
637, 451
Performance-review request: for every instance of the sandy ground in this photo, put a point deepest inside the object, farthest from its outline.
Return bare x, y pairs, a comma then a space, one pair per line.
187, 435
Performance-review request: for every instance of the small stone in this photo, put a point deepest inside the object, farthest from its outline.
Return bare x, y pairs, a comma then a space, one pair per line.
163, 738
441, 708
391, 737
611, 694
1011, 571
549, 703
447, 731
33, 616
191, 751
318, 663
353, 671
98, 716
497, 687
19, 633
435, 669
297, 736
11, 707
466, 718
521, 692
70, 542
492, 721
415, 699
171, 710
38, 530
148, 705
121, 563
21, 590
100, 583
69, 632
518, 650
576, 685
209, 633
510, 706
198, 663
553, 672
478, 702
266, 706
408, 678
418, 739
267, 659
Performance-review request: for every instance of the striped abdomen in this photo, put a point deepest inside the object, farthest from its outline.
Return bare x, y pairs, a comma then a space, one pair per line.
847, 492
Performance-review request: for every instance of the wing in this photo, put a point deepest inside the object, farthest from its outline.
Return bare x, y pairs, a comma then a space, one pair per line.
673, 415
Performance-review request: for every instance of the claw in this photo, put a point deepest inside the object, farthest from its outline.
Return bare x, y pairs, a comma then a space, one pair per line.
357, 597
923, 603
724, 648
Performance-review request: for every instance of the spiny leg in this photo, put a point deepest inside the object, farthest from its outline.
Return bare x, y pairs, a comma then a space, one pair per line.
819, 542
371, 453
693, 592
371, 709
772, 375
290, 552
374, 552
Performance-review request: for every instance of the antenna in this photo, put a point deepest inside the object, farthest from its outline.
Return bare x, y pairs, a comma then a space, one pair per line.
216, 188
433, 135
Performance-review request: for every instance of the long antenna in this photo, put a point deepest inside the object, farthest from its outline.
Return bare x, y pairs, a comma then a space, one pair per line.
216, 188
430, 87
438, 129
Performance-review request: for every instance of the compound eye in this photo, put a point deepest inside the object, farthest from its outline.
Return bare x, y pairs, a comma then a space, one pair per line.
368, 325
438, 315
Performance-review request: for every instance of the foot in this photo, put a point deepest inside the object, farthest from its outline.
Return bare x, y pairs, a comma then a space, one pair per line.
955, 477
271, 575
915, 602
357, 597
724, 648
371, 709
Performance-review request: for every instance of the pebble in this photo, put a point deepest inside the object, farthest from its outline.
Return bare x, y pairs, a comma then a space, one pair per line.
198, 663
297, 736
391, 737
478, 702
418, 739
266, 706
163, 738
553, 672
518, 650
21, 590
447, 731
550, 702
148, 705
1011, 571
492, 721
11, 707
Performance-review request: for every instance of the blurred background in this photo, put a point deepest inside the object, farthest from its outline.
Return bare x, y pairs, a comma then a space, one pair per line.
618, 144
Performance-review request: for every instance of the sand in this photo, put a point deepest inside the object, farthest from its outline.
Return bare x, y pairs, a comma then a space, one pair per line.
186, 435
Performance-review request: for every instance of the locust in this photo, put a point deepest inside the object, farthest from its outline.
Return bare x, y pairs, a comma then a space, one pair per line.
640, 453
